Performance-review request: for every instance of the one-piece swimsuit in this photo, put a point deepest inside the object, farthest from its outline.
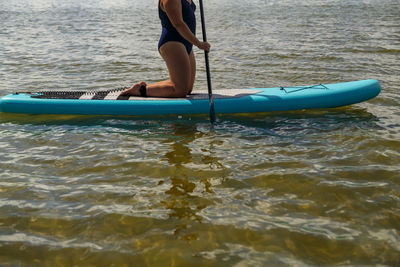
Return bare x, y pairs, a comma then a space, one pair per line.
169, 33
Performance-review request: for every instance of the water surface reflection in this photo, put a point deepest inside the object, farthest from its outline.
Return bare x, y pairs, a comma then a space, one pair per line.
188, 194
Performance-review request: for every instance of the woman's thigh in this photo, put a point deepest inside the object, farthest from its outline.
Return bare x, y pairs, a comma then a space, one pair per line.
192, 60
178, 64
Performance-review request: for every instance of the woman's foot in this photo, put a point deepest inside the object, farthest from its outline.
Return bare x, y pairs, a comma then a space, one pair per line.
134, 90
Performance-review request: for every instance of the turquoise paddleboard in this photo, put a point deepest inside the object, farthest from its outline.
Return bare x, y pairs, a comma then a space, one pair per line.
225, 101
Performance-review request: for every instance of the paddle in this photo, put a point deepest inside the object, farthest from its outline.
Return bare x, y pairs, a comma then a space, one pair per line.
210, 96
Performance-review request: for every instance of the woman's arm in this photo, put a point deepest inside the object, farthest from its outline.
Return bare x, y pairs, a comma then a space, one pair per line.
173, 8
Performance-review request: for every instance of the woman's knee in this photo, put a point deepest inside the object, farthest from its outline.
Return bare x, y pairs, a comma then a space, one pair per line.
181, 90
190, 89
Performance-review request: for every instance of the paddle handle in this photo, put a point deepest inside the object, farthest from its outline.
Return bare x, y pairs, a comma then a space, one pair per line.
210, 95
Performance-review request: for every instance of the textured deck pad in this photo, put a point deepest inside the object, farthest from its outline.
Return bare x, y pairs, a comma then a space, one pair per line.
202, 95
115, 95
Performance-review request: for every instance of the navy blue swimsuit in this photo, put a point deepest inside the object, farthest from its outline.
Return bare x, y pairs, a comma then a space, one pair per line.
169, 33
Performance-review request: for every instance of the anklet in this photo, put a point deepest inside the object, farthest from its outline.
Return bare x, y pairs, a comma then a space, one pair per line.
143, 91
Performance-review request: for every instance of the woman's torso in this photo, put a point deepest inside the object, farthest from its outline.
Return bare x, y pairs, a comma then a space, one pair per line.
188, 15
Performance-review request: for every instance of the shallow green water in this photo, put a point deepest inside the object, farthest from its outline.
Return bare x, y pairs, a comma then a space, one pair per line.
317, 187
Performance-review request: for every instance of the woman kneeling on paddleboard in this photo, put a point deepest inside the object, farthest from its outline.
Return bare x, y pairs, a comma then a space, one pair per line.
175, 46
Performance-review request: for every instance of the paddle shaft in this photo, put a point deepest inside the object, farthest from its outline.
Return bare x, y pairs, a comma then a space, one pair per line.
210, 96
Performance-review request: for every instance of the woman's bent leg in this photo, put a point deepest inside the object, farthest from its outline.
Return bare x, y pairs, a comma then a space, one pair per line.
182, 69
178, 64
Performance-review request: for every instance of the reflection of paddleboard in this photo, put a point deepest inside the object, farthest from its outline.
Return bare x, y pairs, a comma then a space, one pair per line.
225, 101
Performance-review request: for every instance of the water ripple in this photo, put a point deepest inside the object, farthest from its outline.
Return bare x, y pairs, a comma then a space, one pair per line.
315, 187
